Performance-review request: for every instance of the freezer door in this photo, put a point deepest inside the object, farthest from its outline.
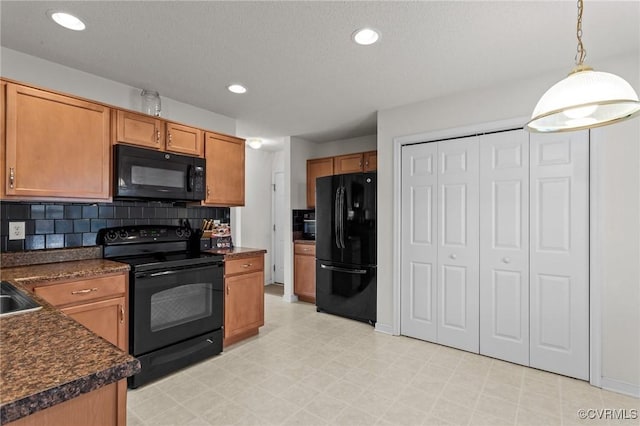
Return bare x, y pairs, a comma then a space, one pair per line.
346, 290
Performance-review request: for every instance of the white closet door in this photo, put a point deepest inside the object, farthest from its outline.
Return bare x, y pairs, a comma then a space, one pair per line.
559, 286
458, 281
504, 246
419, 237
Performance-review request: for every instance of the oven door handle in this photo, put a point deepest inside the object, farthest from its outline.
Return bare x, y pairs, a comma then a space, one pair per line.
159, 274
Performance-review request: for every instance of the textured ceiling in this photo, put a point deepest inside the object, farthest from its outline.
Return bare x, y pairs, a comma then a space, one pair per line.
305, 76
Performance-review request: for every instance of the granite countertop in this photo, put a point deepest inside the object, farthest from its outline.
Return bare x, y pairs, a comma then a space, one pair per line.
47, 357
237, 252
306, 242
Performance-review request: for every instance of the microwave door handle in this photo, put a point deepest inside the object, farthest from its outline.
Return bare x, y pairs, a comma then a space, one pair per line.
190, 178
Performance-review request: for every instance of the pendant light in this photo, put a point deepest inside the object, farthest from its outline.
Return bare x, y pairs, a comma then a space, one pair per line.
585, 99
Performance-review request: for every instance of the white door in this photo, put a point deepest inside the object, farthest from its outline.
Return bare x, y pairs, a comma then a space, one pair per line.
504, 246
559, 253
458, 263
278, 228
419, 241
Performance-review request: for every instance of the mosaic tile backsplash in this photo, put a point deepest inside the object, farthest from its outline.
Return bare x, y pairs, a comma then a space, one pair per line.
62, 225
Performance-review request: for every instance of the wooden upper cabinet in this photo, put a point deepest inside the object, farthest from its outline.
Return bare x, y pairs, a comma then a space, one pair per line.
3, 140
56, 146
184, 139
350, 163
370, 161
316, 168
139, 129
225, 170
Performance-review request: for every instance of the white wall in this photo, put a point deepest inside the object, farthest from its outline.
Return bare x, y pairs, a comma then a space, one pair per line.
621, 208
301, 150
346, 146
30, 69
255, 217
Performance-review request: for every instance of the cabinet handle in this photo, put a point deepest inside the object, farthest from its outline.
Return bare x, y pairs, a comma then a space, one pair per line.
121, 314
227, 289
305, 249
208, 191
157, 136
360, 163
12, 177
85, 291
366, 163
246, 265
169, 138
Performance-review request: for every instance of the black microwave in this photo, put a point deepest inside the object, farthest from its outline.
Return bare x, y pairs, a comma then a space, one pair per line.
141, 173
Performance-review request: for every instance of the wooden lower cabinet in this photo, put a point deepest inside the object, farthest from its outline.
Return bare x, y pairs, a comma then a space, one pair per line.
96, 408
243, 298
100, 304
304, 272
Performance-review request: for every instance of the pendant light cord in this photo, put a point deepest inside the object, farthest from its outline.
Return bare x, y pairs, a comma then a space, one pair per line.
582, 53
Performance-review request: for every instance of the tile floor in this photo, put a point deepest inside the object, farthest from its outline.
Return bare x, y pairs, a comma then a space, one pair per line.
307, 368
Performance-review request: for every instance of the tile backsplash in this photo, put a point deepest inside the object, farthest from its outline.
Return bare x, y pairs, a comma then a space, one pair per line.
61, 225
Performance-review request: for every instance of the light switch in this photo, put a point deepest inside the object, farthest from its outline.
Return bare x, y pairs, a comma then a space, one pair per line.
16, 230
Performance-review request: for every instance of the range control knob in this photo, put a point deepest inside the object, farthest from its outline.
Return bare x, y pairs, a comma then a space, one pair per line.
123, 234
187, 232
180, 232
111, 235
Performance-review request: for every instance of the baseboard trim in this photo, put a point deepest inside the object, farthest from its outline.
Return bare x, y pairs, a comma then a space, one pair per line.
620, 387
290, 298
384, 328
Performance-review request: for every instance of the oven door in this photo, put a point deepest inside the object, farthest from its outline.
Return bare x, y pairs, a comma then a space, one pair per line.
144, 173
170, 306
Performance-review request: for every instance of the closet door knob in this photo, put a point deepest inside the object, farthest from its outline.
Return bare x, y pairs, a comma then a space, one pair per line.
453, 256
506, 260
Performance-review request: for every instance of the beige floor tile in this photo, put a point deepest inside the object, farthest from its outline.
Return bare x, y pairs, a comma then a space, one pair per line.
497, 407
451, 412
502, 390
151, 407
227, 414
461, 394
304, 418
277, 383
422, 399
272, 409
404, 414
354, 416
132, 419
299, 394
176, 415
344, 391
532, 417
480, 418
372, 403
319, 380
325, 407
550, 406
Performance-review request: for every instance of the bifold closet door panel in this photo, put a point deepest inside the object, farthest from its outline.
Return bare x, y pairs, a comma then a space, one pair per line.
458, 260
419, 242
504, 246
559, 253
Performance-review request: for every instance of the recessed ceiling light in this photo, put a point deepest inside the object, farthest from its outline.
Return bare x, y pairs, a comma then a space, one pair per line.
365, 36
67, 20
237, 88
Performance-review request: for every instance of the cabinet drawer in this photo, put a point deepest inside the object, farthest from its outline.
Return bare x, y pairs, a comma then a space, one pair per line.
244, 265
306, 249
68, 293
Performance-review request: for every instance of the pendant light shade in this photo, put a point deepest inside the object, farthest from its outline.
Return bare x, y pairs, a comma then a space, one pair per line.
585, 99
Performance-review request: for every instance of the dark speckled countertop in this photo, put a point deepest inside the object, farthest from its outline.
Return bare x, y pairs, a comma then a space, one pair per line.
237, 252
47, 357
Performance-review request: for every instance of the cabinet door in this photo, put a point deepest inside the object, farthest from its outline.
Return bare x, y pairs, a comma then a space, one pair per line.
370, 161
350, 163
244, 303
504, 246
3, 140
139, 129
419, 265
316, 168
225, 170
304, 277
106, 318
458, 257
559, 252
184, 139
57, 146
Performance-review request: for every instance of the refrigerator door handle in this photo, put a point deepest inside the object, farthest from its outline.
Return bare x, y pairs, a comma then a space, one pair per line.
346, 270
342, 212
336, 217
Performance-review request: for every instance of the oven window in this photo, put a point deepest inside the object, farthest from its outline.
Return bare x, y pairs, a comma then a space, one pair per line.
181, 305
141, 175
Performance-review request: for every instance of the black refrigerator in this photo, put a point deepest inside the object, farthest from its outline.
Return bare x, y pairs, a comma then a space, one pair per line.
346, 245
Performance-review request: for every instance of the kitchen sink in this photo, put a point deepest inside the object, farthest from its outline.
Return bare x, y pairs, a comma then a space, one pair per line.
13, 301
